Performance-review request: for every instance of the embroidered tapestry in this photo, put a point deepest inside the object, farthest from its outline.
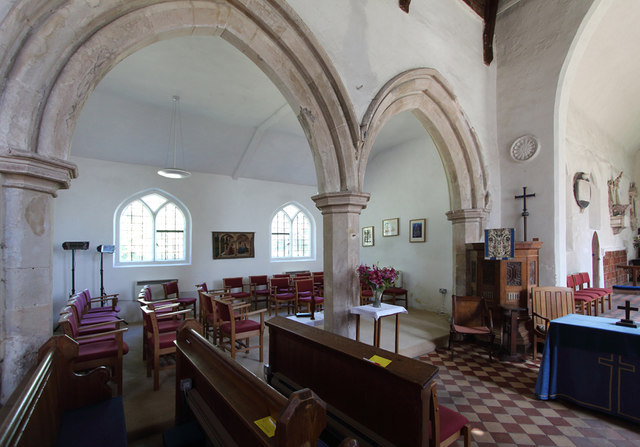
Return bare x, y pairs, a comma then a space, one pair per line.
499, 243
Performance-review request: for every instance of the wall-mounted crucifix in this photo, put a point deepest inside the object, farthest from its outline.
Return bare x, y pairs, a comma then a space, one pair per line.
525, 213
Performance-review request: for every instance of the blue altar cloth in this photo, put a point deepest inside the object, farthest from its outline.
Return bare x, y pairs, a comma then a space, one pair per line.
594, 363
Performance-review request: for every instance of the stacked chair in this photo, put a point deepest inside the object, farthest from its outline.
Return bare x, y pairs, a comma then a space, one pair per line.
166, 323
98, 332
587, 302
584, 283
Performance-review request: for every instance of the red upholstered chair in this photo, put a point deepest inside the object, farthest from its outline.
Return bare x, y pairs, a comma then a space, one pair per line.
159, 343
237, 288
100, 349
171, 291
470, 315
305, 293
211, 321
259, 289
318, 282
280, 293
236, 326
101, 303
84, 298
87, 325
303, 275
445, 425
605, 292
586, 302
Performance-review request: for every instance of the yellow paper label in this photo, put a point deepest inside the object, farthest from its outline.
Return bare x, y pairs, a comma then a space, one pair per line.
267, 425
380, 361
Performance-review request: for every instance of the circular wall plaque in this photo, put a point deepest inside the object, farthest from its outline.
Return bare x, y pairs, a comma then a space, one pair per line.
525, 148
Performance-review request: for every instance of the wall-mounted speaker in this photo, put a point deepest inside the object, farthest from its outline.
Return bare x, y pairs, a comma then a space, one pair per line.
75, 245
106, 248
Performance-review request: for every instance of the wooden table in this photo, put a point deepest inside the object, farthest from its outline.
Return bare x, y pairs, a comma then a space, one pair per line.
377, 313
633, 271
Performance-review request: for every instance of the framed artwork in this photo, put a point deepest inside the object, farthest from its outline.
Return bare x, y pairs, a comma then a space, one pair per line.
232, 245
418, 230
367, 237
391, 227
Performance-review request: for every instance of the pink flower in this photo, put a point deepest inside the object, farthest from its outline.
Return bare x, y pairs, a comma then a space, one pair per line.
377, 277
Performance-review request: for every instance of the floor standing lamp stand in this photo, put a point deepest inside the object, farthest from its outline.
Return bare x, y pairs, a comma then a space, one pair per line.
73, 246
102, 249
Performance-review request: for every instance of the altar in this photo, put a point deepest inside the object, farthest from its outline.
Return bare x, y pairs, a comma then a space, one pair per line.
593, 363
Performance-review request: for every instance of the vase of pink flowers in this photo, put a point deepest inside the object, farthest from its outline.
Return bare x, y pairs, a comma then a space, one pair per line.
378, 278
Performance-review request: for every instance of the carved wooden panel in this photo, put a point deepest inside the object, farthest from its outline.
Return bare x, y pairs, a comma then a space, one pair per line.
514, 274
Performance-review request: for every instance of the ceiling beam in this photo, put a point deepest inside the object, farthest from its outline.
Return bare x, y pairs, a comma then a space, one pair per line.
404, 5
256, 138
488, 10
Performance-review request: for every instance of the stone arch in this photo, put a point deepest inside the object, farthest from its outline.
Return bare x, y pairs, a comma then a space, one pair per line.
425, 93
72, 45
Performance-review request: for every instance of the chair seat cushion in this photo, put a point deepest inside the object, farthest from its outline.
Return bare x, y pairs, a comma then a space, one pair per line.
284, 296
187, 301
241, 326
240, 295
169, 325
97, 330
100, 349
262, 292
584, 297
450, 422
471, 330
166, 339
367, 293
99, 425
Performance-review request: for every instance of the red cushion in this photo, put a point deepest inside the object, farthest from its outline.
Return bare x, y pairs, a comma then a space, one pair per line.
285, 296
240, 295
99, 349
450, 422
395, 290
105, 328
187, 301
262, 292
166, 339
169, 325
241, 326
471, 330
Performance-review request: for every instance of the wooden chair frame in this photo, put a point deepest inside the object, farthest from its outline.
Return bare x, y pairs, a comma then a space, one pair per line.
546, 304
240, 312
473, 313
434, 420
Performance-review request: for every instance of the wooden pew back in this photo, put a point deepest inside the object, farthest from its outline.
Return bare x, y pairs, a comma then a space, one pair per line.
226, 399
392, 401
33, 413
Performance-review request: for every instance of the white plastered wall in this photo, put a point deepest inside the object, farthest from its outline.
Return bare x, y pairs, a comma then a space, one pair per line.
408, 182
216, 203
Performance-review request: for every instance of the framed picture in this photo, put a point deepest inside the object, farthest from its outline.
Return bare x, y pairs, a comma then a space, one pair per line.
367, 237
417, 230
391, 227
231, 245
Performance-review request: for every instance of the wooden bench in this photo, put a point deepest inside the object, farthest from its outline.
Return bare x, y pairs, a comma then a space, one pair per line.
227, 400
55, 406
549, 303
392, 402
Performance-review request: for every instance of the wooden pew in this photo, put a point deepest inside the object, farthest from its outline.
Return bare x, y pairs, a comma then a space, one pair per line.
393, 402
53, 405
226, 399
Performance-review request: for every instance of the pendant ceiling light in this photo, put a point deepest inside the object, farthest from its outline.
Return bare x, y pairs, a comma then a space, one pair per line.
175, 136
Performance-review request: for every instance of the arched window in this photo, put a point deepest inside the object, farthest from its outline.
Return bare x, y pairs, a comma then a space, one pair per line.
152, 227
292, 234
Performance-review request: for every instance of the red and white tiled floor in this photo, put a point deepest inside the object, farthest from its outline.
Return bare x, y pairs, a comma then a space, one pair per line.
498, 399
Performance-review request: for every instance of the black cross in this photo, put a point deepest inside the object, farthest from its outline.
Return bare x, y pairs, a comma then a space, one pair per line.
627, 321
525, 213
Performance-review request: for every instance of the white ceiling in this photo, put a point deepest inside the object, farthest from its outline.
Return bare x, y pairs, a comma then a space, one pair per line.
234, 120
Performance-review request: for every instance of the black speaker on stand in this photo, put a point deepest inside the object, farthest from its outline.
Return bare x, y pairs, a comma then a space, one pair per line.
102, 249
73, 246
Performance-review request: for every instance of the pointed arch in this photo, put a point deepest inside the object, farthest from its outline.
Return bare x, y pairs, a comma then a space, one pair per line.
47, 85
424, 92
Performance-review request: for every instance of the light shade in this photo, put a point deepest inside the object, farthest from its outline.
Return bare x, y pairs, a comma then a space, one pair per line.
174, 173
175, 136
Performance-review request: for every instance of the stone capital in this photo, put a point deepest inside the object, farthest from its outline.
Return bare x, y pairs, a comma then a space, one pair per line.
28, 170
341, 202
468, 215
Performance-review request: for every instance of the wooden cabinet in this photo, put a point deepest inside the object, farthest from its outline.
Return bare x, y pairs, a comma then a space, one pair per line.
503, 283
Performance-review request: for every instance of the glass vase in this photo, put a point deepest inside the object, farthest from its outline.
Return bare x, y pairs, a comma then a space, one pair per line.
377, 296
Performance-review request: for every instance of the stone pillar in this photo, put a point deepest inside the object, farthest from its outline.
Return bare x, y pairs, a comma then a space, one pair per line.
467, 227
29, 183
341, 218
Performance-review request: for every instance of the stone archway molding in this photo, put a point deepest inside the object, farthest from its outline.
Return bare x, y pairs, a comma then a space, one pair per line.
49, 72
424, 92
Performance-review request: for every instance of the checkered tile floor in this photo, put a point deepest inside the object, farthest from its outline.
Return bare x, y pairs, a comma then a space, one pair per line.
497, 398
